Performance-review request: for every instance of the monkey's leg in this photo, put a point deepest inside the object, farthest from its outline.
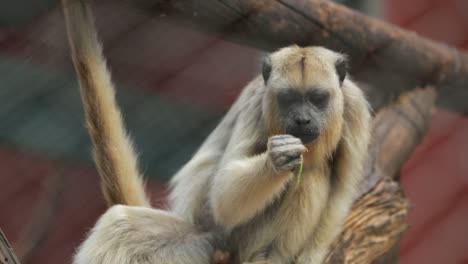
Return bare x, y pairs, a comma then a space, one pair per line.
129, 235
329, 227
245, 186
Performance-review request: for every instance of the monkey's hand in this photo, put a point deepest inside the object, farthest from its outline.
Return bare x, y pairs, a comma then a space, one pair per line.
284, 152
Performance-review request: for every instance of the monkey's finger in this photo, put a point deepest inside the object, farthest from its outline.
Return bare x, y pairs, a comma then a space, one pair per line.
280, 161
294, 164
296, 149
285, 141
288, 165
287, 159
282, 136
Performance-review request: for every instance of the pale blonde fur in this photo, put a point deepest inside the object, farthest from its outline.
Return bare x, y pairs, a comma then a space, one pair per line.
130, 235
230, 195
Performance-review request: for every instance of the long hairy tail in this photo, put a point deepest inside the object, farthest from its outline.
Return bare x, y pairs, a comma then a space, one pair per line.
115, 158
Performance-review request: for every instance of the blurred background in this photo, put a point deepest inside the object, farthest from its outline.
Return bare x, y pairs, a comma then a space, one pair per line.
174, 84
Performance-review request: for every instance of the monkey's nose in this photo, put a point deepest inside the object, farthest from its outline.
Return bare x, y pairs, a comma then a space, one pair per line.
300, 121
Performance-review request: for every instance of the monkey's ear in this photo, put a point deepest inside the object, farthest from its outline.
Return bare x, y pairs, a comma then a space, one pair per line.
266, 69
341, 66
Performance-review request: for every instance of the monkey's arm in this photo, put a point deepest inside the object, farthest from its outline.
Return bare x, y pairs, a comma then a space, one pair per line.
242, 188
349, 162
245, 186
191, 183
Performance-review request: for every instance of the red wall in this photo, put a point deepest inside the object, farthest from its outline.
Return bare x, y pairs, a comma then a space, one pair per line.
436, 177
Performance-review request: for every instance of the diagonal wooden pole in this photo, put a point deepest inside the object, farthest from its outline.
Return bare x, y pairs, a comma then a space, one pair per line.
391, 60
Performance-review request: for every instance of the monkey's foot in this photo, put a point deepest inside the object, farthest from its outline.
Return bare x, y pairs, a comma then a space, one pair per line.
221, 257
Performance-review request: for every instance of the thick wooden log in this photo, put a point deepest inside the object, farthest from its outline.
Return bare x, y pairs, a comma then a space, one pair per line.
388, 58
378, 219
397, 131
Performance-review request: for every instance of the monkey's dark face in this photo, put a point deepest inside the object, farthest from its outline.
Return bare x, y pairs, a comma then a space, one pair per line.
302, 112
303, 85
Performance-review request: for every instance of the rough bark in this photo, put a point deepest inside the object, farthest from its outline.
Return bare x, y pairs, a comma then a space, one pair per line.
377, 220
397, 131
388, 58
373, 227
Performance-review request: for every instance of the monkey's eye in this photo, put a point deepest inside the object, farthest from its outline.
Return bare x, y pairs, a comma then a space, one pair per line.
288, 97
319, 98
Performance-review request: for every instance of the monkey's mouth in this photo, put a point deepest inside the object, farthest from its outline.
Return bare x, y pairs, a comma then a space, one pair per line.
306, 138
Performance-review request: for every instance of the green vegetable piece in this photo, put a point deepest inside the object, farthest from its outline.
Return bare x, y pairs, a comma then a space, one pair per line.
299, 173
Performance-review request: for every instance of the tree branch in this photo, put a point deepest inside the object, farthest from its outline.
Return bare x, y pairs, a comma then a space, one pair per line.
388, 58
397, 131
374, 225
